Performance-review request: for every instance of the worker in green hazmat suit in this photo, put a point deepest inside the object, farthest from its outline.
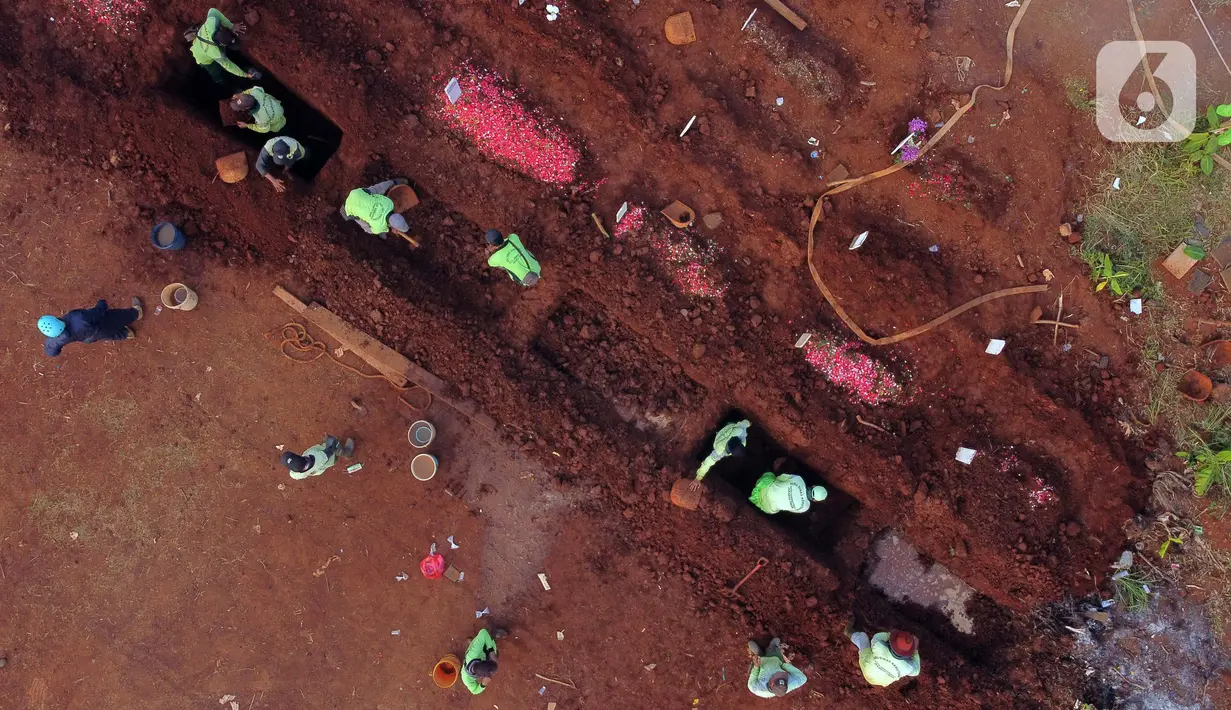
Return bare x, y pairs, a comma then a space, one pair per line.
209, 47
372, 209
479, 665
785, 492
513, 257
265, 111
729, 441
887, 657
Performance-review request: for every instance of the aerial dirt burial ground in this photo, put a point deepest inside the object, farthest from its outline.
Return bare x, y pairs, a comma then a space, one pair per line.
153, 552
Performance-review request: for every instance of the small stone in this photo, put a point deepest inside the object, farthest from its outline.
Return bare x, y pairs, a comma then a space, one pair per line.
934, 56
698, 351
873, 23
447, 221
751, 91
1066, 229
1021, 547
810, 602
389, 47
978, 278
756, 320
376, 315
595, 257
372, 56
628, 513
1073, 529
1074, 237
921, 493
252, 17
712, 220
924, 31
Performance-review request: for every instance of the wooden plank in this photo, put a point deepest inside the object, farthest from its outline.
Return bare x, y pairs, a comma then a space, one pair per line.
290, 300
788, 13
382, 358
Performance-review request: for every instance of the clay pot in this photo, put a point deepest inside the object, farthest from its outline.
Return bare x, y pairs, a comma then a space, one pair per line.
1195, 385
1219, 353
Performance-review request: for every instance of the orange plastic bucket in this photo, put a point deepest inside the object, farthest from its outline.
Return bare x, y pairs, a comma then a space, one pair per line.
444, 675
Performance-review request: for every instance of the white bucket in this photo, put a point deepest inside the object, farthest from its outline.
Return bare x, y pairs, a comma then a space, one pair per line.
423, 467
179, 297
420, 434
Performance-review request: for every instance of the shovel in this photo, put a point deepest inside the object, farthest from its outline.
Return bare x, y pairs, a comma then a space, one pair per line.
414, 243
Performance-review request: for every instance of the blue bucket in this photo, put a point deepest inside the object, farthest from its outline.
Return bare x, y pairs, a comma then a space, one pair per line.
168, 236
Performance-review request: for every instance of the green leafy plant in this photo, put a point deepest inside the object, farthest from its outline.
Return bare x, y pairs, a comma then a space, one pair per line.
1162, 550
1194, 251
1132, 590
1210, 468
1106, 274
1200, 147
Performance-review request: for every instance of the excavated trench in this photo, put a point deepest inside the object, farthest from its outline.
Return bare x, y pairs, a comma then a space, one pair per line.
192, 87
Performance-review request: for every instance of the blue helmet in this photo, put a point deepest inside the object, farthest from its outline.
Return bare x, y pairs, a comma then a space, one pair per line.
50, 326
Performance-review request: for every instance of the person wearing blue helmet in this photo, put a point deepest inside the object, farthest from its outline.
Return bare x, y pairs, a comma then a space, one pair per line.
88, 325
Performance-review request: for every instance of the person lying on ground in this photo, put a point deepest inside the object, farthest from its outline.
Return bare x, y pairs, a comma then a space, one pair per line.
513, 257
479, 665
372, 210
210, 42
785, 492
317, 459
264, 110
771, 676
888, 657
283, 152
89, 325
729, 441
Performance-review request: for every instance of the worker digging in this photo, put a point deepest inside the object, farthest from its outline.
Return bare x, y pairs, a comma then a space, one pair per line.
89, 325
887, 657
317, 459
265, 114
729, 441
512, 257
373, 211
283, 152
210, 43
771, 674
785, 492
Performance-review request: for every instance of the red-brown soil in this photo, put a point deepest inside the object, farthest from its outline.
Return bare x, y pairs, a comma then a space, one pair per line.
604, 378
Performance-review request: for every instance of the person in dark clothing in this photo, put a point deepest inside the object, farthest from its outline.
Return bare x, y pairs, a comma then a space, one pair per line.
87, 325
283, 152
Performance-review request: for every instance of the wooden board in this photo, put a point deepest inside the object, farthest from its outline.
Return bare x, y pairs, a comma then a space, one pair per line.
788, 13
381, 357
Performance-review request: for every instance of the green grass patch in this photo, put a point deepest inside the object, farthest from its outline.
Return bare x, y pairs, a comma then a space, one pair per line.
1078, 93
1154, 211
1132, 590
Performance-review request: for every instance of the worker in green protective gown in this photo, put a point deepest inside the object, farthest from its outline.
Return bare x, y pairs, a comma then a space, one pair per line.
887, 657
729, 441
513, 257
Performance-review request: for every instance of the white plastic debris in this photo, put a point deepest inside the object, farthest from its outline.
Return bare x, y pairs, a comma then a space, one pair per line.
1115, 184
803, 340
1135, 306
354, 467
280, 447
994, 347
225, 699
542, 690
1125, 561
858, 241
694, 117
935, 248
73, 535
553, 13
1120, 575
813, 141
965, 455
401, 577
453, 545
453, 90
1141, 120
559, 635
779, 100
1013, 3
754, 11
432, 549
485, 611
901, 145
621, 212
395, 632
543, 581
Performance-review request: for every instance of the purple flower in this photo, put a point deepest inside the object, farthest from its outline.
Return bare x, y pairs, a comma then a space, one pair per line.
909, 153
917, 125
